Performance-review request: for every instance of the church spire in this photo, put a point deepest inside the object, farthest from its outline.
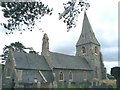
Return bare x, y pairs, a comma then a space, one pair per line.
87, 35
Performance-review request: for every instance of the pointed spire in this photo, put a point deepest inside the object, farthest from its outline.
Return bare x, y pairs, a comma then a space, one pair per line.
87, 35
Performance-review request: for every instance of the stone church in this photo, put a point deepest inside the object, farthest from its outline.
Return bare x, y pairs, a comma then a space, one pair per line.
25, 69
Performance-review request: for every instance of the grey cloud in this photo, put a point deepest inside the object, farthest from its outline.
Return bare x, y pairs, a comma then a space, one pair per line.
110, 56
69, 48
65, 49
104, 43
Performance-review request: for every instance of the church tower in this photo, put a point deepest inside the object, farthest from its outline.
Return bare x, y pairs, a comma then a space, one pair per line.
45, 45
45, 50
88, 47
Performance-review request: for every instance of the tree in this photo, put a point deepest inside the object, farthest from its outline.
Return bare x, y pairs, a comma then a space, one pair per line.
17, 46
33, 52
23, 13
110, 77
26, 13
71, 11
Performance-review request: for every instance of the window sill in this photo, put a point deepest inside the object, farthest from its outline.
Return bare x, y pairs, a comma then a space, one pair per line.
61, 80
96, 54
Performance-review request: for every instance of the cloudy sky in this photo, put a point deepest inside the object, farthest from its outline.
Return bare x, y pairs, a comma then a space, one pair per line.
103, 16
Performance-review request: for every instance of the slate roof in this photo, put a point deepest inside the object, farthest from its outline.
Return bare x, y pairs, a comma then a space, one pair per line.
37, 62
69, 62
87, 35
30, 61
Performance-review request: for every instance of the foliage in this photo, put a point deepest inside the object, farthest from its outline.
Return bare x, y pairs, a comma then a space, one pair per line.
71, 10
33, 52
23, 13
110, 77
110, 82
17, 47
26, 14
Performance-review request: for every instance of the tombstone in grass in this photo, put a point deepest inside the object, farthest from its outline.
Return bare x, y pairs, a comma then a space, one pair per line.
50, 86
13, 84
94, 85
69, 84
115, 71
38, 85
88, 84
55, 84
65, 84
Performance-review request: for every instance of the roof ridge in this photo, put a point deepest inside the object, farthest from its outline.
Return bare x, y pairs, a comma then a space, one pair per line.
62, 54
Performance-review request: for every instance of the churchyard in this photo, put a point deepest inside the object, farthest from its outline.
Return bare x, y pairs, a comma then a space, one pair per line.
107, 83
61, 85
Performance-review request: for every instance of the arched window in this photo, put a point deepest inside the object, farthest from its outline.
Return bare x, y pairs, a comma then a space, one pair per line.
61, 76
96, 50
70, 76
83, 50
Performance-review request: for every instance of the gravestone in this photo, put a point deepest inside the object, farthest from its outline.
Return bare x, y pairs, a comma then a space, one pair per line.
55, 84
50, 85
69, 84
115, 71
13, 85
65, 84
38, 85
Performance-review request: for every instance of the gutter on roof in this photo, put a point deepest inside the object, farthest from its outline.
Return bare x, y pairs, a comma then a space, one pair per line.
72, 69
31, 69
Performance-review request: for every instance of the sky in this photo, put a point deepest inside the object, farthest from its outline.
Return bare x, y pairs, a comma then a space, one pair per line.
103, 16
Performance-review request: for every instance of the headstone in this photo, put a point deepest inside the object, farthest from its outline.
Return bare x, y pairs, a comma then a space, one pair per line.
13, 85
50, 85
115, 71
69, 84
38, 85
55, 84
65, 84
88, 84
93, 85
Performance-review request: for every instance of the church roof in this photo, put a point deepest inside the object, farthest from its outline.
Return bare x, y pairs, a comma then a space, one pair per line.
87, 35
30, 61
60, 61
63, 61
